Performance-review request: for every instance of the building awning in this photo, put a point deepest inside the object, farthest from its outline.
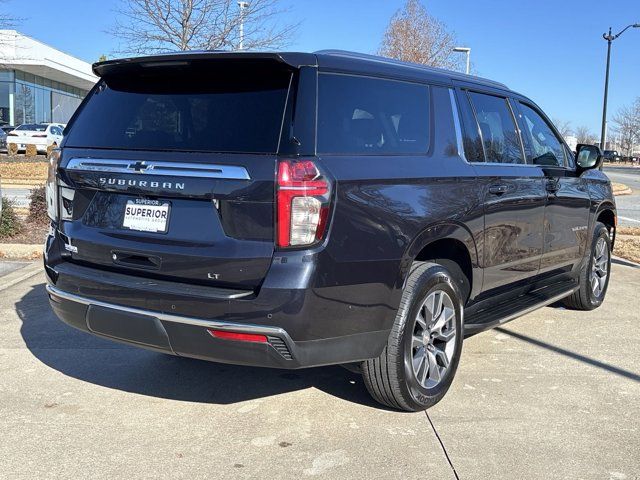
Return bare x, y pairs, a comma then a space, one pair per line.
20, 52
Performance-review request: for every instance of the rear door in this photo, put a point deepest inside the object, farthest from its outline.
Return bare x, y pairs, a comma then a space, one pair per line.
170, 173
566, 216
514, 192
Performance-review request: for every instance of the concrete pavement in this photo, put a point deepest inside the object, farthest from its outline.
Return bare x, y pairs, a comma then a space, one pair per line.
555, 394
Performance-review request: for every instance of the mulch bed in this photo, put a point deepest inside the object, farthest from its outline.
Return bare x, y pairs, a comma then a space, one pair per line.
30, 233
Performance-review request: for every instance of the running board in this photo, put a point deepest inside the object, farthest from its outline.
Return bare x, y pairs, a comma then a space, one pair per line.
514, 308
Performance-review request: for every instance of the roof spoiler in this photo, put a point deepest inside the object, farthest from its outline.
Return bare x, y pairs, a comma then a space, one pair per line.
291, 59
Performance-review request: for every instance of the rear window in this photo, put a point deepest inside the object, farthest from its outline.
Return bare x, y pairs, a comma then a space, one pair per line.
371, 116
201, 110
32, 127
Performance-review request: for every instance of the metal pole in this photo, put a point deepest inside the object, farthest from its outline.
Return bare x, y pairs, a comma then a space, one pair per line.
603, 134
468, 61
242, 6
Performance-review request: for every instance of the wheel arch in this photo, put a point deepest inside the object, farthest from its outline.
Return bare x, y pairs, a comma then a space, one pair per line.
448, 244
606, 214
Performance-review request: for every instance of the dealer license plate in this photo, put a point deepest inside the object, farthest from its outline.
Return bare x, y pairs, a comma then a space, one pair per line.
147, 215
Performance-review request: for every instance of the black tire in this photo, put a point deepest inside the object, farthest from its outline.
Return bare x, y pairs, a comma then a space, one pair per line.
584, 298
390, 378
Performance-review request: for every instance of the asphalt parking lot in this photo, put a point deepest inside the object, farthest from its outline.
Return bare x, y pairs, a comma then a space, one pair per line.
555, 394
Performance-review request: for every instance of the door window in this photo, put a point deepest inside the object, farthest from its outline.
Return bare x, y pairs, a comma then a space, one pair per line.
545, 147
498, 129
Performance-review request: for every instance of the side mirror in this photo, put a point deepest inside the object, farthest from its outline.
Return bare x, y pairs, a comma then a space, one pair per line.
588, 157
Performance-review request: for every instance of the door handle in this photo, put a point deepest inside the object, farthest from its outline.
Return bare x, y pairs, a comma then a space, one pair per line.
552, 187
498, 189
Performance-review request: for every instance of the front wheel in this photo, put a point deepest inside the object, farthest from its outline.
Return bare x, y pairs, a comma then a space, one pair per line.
594, 276
417, 366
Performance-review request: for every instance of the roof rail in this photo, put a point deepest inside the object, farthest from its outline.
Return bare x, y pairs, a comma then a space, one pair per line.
417, 66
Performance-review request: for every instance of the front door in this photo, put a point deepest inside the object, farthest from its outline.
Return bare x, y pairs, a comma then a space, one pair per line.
566, 217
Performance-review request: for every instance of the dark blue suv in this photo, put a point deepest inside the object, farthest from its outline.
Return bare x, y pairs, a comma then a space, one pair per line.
292, 210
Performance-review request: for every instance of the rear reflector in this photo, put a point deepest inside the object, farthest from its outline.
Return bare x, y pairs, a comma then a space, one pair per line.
240, 337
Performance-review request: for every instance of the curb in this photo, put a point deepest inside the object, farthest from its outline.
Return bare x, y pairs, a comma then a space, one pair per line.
625, 262
19, 276
619, 193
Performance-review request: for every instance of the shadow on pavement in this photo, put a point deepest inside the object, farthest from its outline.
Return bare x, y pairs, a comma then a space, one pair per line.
113, 365
568, 353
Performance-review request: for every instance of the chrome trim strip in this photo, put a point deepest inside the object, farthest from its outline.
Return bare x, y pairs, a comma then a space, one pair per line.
166, 317
456, 124
174, 169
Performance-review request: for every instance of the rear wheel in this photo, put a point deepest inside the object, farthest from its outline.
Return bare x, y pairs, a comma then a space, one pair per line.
594, 276
420, 359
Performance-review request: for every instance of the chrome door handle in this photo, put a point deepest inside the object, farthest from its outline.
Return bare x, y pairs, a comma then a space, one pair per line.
498, 189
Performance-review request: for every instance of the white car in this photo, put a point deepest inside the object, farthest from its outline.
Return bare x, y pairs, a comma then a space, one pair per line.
42, 135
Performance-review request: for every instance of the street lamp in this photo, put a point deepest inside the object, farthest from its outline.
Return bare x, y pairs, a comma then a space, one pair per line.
466, 50
242, 6
609, 38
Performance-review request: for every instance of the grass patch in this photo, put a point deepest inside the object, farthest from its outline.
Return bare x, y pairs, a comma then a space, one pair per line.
635, 231
628, 248
21, 170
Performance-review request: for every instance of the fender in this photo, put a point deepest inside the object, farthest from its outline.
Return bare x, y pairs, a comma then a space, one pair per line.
601, 207
441, 231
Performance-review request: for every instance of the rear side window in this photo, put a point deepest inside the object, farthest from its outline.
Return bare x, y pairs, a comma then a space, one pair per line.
546, 149
199, 111
371, 116
498, 129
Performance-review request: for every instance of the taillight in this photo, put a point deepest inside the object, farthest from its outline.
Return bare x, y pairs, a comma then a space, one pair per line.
303, 197
12, 134
51, 187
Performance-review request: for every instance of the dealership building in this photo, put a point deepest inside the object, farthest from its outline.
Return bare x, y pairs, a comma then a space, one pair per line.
39, 83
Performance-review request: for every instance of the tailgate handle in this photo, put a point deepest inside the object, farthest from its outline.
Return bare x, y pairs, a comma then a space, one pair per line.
128, 259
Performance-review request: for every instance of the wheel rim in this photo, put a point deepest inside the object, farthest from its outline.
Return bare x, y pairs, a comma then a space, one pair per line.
599, 267
434, 339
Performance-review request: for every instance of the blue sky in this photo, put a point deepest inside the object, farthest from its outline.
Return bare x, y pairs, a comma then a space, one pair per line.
552, 51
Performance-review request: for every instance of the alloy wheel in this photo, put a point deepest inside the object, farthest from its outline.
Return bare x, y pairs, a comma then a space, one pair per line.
599, 267
434, 339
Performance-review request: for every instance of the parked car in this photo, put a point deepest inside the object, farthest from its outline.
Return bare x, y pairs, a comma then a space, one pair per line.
3, 140
42, 135
293, 210
612, 156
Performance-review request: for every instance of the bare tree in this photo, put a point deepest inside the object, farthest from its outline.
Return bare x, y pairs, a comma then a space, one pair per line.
415, 36
563, 126
585, 135
152, 26
627, 127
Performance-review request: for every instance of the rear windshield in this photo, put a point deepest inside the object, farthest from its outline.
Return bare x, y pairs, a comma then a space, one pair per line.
32, 127
192, 110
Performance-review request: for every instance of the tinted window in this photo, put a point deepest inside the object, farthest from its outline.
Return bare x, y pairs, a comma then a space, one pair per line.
498, 130
472, 142
544, 146
369, 116
202, 111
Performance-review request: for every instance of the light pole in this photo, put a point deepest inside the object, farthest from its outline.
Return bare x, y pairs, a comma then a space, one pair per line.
466, 50
242, 6
609, 38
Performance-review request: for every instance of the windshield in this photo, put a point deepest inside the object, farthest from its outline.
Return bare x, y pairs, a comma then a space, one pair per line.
216, 111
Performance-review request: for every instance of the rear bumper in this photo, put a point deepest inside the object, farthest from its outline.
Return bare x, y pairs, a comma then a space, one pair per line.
189, 336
